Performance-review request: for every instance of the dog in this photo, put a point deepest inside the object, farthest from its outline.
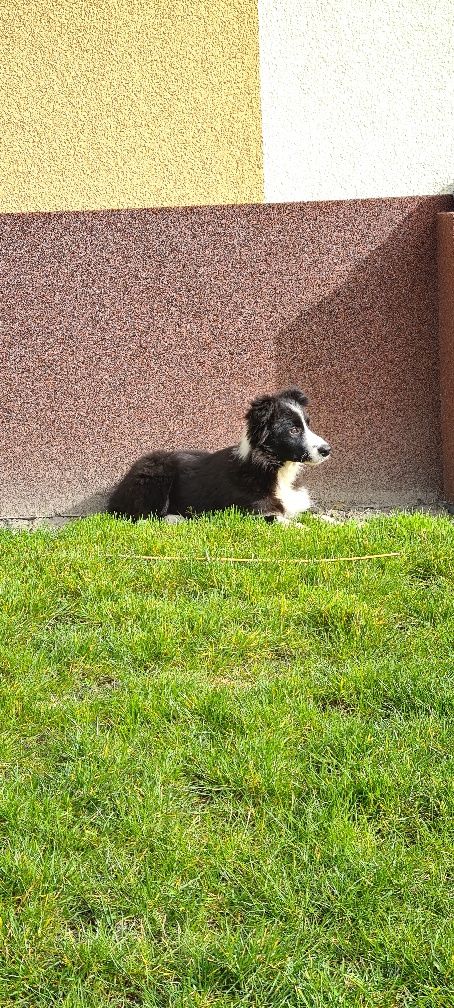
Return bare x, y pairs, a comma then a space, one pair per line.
262, 475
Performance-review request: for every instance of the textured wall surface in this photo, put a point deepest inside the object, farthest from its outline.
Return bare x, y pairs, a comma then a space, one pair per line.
446, 309
125, 329
128, 103
128, 330
357, 98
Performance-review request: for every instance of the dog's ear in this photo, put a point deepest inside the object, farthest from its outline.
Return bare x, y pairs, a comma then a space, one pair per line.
297, 395
259, 416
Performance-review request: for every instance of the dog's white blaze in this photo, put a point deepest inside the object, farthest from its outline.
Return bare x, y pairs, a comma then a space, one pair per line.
244, 448
293, 501
314, 442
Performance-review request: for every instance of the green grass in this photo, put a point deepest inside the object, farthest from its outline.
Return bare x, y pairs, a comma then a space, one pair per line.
227, 785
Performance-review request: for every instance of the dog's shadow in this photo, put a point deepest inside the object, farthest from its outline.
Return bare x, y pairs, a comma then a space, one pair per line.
93, 504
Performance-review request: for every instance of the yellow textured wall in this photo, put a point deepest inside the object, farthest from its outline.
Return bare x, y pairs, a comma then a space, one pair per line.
129, 103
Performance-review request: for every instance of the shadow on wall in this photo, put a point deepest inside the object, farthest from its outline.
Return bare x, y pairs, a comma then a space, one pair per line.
373, 352
95, 503
448, 189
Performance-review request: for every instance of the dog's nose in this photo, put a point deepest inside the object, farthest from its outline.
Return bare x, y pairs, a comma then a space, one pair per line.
325, 450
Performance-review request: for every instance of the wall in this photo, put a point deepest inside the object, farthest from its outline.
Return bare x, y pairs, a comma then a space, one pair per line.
123, 103
148, 255
357, 98
446, 325
129, 103
125, 330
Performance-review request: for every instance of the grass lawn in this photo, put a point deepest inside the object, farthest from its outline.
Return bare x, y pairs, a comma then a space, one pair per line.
227, 784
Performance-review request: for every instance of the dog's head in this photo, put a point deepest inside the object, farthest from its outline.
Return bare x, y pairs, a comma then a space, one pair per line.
278, 427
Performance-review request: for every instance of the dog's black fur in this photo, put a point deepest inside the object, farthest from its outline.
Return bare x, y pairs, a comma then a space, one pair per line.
189, 483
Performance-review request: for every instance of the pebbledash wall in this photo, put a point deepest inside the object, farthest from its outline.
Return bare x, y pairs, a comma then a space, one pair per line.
203, 201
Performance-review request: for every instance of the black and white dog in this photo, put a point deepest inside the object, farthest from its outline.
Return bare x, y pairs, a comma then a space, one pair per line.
263, 475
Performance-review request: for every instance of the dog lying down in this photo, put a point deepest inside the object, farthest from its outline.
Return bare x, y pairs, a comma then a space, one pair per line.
263, 475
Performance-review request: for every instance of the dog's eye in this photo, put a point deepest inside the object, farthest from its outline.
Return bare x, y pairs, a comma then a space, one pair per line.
295, 430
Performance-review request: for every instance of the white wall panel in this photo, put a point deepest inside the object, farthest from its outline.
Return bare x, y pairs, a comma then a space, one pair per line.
357, 98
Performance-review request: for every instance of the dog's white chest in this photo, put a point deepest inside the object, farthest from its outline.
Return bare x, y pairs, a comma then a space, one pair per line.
294, 501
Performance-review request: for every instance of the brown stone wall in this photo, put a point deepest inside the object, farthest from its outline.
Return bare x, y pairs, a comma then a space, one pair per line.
446, 310
127, 330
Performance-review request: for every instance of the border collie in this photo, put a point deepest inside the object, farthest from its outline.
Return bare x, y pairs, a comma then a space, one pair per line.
263, 475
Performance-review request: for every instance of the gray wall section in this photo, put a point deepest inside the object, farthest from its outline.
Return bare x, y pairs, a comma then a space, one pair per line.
127, 330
